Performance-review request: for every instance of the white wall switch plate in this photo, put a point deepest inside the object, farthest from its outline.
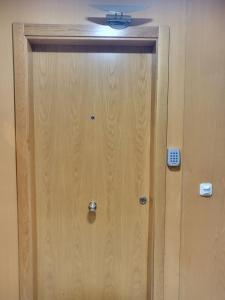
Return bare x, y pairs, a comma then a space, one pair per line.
206, 189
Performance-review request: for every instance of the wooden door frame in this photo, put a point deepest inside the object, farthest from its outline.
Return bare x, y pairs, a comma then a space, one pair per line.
24, 36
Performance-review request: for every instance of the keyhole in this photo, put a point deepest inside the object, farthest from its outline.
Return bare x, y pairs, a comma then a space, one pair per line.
143, 200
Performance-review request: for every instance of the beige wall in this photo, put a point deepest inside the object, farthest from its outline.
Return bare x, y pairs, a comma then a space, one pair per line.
198, 24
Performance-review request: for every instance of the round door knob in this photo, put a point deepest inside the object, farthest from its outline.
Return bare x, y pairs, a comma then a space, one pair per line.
92, 206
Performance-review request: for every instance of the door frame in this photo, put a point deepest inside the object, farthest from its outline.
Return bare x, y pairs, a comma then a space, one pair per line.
24, 36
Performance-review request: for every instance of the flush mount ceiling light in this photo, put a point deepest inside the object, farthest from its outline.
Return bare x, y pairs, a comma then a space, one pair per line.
116, 16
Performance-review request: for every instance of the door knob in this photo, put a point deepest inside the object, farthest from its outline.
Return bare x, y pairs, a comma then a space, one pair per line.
92, 206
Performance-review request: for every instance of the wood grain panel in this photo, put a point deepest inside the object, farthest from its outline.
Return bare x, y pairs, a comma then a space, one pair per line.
45, 11
159, 154
25, 160
78, 160
203, 226
84, 30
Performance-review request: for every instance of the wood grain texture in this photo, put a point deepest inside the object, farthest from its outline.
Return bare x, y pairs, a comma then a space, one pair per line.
25, 159
159, 154
88, 30
159, 146
78, 160
203, 223
174, 13
171, 13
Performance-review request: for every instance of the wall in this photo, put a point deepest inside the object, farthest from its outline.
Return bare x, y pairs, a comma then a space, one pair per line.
199, 90
203, 222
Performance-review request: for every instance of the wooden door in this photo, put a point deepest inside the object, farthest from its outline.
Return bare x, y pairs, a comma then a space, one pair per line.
91, 118
92, 138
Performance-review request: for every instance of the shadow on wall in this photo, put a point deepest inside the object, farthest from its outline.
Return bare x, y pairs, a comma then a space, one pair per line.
134, 21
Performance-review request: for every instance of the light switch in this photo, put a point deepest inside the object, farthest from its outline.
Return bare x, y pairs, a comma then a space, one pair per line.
206, 189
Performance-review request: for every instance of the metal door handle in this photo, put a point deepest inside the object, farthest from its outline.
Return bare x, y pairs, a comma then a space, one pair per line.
92, 206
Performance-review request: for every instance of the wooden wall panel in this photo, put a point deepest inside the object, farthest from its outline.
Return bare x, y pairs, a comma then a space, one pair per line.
163, 12
203, 226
